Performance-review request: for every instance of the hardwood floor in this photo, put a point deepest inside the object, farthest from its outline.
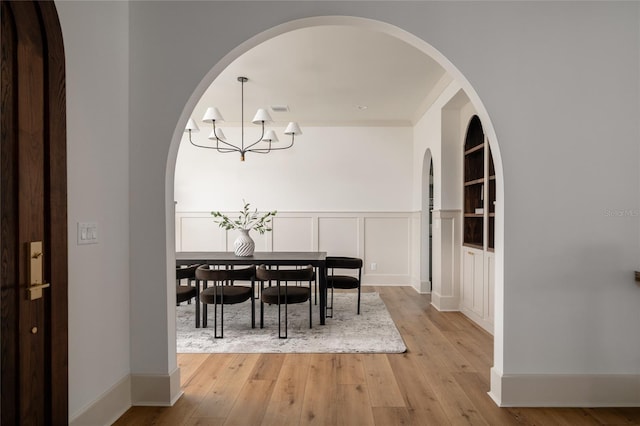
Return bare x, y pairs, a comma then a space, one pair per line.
442, 379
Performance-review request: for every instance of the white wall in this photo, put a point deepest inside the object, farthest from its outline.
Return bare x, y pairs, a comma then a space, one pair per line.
96, 42
546, 72
327, 197
559, 84
328, 169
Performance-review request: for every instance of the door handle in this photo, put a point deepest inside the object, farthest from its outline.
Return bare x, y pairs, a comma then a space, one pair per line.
36, 284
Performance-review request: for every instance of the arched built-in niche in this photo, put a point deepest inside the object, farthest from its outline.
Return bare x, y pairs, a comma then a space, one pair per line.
426, 223
459, 81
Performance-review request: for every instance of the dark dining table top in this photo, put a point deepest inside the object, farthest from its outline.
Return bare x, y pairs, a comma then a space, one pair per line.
315, 258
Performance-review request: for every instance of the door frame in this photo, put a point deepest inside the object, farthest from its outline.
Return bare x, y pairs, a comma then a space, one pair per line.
34, 25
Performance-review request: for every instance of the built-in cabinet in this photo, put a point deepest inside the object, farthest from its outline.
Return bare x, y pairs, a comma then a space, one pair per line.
479, 193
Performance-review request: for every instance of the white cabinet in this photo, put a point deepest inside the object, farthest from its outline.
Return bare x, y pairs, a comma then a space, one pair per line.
472, 278
479, 197
477, 286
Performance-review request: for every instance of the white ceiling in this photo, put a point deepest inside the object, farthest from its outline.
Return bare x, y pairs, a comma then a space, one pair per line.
325, 75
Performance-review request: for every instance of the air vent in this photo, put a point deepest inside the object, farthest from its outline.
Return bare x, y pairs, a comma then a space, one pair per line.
280, 108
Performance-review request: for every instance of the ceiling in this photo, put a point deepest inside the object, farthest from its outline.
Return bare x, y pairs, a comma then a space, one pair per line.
329, 76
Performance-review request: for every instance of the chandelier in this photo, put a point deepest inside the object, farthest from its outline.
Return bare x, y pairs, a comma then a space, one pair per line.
222, 145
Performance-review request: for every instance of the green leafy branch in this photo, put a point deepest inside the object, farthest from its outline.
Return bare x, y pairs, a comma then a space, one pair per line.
247, 220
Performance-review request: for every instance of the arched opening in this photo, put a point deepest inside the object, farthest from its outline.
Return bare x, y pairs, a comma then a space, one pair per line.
458, 80
426, 237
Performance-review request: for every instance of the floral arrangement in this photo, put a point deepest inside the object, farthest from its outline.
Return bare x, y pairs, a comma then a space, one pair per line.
247, 220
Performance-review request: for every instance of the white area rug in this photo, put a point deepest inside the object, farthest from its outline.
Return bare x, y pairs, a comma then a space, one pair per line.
373, 331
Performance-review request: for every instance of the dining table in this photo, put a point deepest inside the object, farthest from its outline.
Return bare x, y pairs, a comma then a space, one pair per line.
317, 259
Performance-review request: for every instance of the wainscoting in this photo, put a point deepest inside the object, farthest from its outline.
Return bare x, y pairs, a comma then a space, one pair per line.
386, 242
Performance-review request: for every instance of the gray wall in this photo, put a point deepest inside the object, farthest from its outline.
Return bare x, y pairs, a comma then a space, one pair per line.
560, 83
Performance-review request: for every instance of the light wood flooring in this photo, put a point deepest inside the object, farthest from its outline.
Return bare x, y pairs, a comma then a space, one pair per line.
442, 379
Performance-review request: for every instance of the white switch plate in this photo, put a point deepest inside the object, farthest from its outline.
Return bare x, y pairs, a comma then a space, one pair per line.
374, 266
87, 233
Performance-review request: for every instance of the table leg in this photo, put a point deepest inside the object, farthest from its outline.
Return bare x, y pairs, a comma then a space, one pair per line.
322, 272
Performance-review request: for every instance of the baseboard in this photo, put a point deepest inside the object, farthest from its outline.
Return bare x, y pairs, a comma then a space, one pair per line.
482, 322
155, 390
107, 408
387, 280
424, 287
445, 303
558, 390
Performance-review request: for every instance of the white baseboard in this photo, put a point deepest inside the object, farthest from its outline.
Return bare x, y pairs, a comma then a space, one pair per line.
559, 390
155, 390
387, 280
423, 286
482, 322
107, 408
141, 389
444, 303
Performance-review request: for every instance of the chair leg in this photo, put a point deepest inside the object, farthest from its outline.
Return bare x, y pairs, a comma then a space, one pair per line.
310, 310
286, 304
217, 335
329, 307
253, 304
359, 286
261, 305
197, 303
204, 316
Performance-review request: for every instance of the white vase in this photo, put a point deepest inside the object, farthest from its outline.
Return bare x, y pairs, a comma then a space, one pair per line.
244, 244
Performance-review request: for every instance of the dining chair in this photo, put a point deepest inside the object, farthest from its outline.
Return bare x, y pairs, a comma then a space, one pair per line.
225, 292
341, 279
283, 293
184, 293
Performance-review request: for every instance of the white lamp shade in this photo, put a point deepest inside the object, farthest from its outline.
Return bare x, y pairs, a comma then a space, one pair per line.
218, 133
191, 125
212, 114
262, 115
293, 129
270, 136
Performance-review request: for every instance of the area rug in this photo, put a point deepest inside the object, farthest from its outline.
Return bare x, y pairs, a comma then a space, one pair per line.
373, 331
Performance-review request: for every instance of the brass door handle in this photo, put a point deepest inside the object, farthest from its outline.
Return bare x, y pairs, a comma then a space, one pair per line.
36, 284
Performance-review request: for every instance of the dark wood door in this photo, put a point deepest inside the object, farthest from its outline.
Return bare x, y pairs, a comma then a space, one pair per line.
33, 333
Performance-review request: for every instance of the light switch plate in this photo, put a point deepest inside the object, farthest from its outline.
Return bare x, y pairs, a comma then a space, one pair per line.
87, 233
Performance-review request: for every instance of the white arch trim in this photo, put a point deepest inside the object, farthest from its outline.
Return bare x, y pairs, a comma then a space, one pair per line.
419, 44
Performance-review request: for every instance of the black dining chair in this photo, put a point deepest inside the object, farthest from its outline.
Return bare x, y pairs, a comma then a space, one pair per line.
184, 293
283, 293
338, 268
225, 292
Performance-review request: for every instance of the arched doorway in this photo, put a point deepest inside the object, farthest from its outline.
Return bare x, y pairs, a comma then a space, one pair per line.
378, 26
426, 235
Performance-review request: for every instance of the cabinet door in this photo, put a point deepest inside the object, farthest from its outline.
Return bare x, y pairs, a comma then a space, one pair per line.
472, 280
489, 280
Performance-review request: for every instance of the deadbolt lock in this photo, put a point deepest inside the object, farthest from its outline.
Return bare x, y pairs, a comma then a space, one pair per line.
34, 291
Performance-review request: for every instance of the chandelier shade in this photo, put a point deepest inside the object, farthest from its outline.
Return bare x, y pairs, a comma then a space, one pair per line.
212, 114
270, 136
217, 134
262, 116
192, 126
293, 129
261, 146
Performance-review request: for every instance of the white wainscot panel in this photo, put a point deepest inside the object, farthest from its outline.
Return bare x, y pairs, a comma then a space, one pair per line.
293, 234
201, 234
387, 245
338, 236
